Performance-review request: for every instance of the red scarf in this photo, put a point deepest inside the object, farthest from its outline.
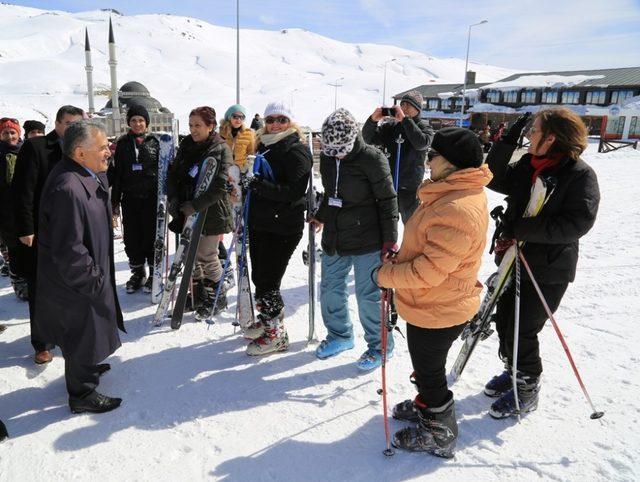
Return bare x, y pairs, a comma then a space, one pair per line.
539, 164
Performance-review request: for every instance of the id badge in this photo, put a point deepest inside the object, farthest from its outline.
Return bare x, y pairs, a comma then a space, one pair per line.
335, 202
136, 167
193, 172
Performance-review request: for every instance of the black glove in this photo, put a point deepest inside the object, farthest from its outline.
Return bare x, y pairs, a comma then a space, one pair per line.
515, 131
174, 208
255, 183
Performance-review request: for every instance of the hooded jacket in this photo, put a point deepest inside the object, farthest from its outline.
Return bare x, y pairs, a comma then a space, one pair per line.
435, 272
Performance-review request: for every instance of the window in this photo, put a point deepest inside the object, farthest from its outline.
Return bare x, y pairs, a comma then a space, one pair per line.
615, 125
634, 128
446, 104
571, 97
529, 97
596, 97
618, 96
510, 97
459, 102
433, 104
493, 96
550, 97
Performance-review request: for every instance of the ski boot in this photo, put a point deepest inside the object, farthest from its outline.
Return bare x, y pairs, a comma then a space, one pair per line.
435, 433
499, 384
256, 329
274, 338
138, 277
405, 411
3, 432
210, 306
4, 269
331, 347
148, 285
528, 391
229, 278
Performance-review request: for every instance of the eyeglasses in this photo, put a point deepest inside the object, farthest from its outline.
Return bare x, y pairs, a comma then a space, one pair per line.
237, 116
431, 155
279, 120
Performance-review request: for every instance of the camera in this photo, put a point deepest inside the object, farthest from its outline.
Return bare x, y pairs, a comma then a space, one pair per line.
388, 111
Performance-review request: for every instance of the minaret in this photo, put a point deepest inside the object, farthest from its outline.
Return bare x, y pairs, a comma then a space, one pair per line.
89, 68
115, 105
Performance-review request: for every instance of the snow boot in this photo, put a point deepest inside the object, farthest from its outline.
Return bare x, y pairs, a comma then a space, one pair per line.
499, 384
435, 433
138, 277
528, 390
210, 306
273, 339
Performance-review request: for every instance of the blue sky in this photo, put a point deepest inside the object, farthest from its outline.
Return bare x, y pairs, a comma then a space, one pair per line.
520, 34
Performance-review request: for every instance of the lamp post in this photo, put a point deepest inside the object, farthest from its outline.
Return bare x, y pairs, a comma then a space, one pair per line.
291, 102
237, 51
335, 98
384, 85
466, 66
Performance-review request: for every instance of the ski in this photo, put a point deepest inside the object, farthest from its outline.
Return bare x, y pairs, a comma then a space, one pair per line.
479, 328
166, 157
207, 172
244, 302
183, 290
312, 207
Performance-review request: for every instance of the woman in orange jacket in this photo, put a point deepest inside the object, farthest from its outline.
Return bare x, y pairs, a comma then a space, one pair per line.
435, 278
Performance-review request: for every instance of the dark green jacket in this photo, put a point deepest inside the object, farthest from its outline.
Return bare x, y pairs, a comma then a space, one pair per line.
369, 213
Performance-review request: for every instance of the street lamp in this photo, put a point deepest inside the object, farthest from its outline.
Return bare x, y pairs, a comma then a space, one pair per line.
335, 98
237, 51
384, 85
466, 66
292, 92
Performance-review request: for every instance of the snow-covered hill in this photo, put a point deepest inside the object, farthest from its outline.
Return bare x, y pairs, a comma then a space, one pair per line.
187, 62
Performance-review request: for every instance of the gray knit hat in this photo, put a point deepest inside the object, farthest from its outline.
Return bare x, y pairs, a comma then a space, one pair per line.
414, 98
339, 133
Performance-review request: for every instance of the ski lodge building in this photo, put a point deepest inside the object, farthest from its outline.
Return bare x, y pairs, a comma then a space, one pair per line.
608, 100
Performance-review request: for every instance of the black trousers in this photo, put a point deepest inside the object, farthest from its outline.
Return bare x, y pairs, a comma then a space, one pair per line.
36, 340
532, 320
270, 254
139, 224
407, 203
428, 349
81, 380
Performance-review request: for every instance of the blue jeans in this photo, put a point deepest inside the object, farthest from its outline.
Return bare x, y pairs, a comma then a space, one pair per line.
334, 298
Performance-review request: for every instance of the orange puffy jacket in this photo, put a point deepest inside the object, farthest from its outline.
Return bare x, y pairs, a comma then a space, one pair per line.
436, 270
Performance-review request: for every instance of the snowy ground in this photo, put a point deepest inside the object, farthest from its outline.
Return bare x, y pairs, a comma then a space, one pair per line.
196, 407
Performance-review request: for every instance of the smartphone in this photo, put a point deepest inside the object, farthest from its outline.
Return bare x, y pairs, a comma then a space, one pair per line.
388, 111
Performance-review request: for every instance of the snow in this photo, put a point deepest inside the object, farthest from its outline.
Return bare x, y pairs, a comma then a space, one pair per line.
533, 81
186, 62
196, 407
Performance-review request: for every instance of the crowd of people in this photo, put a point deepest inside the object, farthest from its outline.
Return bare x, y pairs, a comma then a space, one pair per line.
60, 191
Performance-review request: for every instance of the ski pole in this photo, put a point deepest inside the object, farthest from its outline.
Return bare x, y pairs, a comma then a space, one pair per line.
516, 334
595, 414
396, 179
384, 313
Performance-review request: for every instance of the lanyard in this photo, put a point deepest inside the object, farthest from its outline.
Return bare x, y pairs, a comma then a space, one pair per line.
335, 192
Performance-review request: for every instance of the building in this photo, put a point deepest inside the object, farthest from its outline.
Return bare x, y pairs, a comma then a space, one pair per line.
606, 99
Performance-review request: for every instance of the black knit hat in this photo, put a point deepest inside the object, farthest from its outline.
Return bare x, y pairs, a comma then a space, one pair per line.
32, 125
414, 98
459, 146
140, 110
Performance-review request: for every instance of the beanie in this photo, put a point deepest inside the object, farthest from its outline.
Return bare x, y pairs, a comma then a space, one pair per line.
233, 109
339, 133
32, 125
459, 146
137, 109
7, 123
277, 108
414, 98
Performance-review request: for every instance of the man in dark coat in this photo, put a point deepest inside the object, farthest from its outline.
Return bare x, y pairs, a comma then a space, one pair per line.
415, 136
36, 159
76, 273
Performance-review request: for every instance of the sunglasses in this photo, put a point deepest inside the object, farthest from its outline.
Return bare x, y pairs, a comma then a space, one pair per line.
237, 116
10, 119
279, 120
431, 155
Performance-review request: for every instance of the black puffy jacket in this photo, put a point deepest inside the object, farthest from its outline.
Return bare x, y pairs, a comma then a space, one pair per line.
278, 206
135, 175
552, 237
417, 136
181, 186
369, 213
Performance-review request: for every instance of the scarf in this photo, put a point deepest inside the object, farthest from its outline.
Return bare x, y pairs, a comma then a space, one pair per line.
540, 164
270, 139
